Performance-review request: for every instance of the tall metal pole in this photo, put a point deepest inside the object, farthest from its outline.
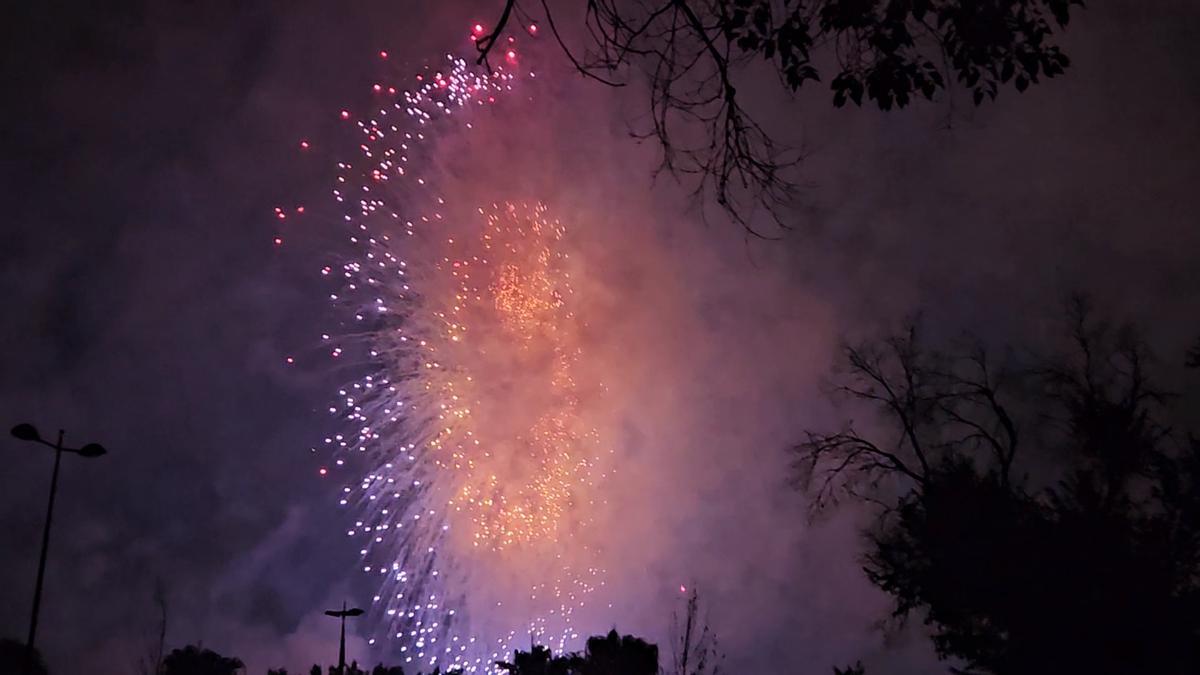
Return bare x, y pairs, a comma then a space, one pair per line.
342, 644
37, 589
342, 614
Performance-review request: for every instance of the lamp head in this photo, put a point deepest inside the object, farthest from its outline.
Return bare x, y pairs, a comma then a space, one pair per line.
92, 450
26, 432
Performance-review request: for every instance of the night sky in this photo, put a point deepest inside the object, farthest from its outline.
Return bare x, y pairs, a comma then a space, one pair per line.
145, 146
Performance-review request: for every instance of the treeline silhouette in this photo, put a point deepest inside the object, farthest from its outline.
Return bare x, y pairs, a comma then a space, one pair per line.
694, 653
611, 654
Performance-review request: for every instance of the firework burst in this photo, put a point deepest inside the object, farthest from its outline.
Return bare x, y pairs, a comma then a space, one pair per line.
481, 470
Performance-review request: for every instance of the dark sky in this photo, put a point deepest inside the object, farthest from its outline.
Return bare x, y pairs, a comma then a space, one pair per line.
144, 146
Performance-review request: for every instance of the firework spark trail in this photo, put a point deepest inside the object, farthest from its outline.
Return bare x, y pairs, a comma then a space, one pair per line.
484, 471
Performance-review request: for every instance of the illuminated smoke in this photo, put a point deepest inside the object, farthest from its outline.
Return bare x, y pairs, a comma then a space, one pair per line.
481, 473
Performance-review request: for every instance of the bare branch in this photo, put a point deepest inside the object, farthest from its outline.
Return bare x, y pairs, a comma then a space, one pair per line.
692, 51
837, 461
943, 410
582, 69
485, 43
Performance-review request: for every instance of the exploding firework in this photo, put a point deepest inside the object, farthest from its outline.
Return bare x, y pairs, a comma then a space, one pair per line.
482, 472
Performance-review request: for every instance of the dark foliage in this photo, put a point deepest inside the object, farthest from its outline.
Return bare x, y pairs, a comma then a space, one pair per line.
614, 654
379, 669
1096, 572
611, 654
888, 52
539, 661
353, 669
16, 659
195, 660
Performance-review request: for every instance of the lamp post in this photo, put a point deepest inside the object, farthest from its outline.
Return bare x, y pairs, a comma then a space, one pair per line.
27, 432
342, 614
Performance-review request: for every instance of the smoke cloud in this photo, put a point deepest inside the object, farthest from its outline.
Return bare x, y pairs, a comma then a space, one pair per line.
150, 312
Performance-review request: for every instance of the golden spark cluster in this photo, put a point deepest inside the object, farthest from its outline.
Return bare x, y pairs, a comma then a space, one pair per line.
530, 487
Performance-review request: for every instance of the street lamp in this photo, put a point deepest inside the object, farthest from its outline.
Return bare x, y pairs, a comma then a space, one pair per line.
27, 432
342, 614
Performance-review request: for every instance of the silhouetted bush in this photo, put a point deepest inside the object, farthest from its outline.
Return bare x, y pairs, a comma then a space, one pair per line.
195, 660
15, 659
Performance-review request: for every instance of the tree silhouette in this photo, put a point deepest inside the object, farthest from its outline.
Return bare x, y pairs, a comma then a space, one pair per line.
379, 669
15, 658
195, 660
694, 644
615, 654
611, 654
539, 661
152, 662
1089, 562
692, 53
